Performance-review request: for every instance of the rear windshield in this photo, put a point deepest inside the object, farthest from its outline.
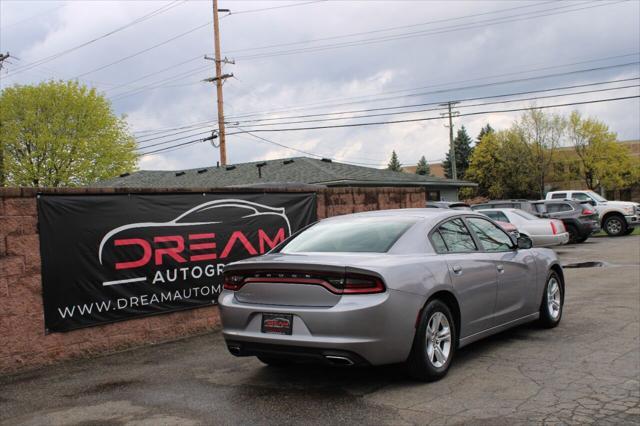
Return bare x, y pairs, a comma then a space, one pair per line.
354, 235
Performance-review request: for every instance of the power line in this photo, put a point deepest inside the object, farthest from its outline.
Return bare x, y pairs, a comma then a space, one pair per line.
206, 124
379, 99
478, 86
274, 7
349, 35
313, 154
128, 83
20, 21
169, 129
177, 139
438, 118
423, 33
174, 146
462, 106
140, 52
251, 131
87, 43
159, 83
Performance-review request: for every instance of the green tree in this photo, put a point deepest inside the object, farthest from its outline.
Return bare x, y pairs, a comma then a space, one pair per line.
542, 133
61, 134
394, 163
423, 167
463, 149
501, 166
603, 161
484, 131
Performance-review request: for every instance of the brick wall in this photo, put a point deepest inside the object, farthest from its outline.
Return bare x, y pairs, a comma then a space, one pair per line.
24, 345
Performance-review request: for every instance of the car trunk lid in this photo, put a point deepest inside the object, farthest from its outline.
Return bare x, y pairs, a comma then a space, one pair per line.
295, 280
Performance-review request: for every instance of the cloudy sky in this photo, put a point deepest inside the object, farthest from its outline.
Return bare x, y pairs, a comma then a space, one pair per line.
307, 64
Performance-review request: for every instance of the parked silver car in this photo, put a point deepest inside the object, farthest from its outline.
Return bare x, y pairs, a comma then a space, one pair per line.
543, 232
385, 287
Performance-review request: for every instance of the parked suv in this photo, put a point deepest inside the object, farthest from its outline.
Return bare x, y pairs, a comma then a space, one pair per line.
526, 205
580, 219
616, 217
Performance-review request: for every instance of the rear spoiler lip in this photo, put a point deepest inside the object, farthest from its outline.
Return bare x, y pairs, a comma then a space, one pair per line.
302, 267
279, 266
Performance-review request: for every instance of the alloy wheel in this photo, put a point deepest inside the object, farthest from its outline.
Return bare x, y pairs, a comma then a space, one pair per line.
553, 298
614, 226
438, 339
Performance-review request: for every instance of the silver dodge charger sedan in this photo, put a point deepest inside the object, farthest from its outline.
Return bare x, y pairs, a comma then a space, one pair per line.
391, 286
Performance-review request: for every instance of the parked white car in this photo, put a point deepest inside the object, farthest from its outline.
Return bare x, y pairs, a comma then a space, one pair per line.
543, 232
617, 217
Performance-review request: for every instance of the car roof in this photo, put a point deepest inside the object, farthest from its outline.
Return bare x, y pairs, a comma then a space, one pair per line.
499, 209
571, 190
556, 201
422, 213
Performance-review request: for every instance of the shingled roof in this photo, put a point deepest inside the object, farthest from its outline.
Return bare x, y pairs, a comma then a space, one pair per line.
300, 170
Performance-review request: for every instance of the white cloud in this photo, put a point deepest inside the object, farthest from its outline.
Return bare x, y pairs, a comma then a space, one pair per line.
349, 73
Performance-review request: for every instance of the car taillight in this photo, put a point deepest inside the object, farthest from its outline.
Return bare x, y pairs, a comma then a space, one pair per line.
587, 212
553, 228
335, 283
362, 284
233, 281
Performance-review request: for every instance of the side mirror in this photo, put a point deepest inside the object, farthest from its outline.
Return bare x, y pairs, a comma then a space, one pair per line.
524, 242
593, 203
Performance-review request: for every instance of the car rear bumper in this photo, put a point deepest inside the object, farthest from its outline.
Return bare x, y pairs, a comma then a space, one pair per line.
374, 328
550, 240
587, 227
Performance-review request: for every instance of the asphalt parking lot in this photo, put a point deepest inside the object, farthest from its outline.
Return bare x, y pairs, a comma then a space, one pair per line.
585, 371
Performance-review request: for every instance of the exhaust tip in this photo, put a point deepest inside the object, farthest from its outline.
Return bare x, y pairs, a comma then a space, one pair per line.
339, 360
234, 349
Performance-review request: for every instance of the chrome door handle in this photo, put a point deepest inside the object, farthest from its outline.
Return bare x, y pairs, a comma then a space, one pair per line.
457, 269
500, 268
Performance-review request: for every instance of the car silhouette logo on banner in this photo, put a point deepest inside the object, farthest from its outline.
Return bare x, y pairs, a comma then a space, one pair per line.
194, 245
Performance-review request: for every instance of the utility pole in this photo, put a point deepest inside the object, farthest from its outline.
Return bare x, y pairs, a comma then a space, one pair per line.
219, 79
452, 150
3, 57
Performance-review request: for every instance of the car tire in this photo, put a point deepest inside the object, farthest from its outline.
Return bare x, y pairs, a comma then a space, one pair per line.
274, 361
629, 231
574, 235
615, 226
582, 239
434, 344
552, 301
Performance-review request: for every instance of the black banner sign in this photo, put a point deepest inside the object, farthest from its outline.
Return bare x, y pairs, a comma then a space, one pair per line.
110, 257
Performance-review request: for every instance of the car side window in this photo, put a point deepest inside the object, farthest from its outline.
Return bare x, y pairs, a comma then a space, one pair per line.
580, 196
499, 216
492, 238
559, 196
438, 242
564, 207
553, 208
457, 237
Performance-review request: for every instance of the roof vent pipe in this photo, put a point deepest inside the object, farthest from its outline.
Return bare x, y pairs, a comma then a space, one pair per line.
260, 166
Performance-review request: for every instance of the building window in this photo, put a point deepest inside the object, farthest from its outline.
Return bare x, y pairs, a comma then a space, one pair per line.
433, 195
610, 194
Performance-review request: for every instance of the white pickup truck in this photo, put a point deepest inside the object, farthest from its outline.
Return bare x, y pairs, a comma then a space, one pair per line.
617, 217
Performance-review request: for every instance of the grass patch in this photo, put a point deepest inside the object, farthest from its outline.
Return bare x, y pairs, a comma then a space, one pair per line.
636, 231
